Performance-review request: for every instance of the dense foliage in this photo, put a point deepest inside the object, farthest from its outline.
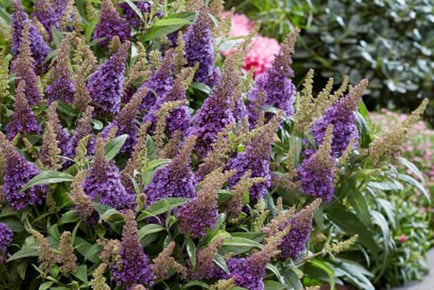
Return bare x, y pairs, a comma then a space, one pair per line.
389, 42
134, 155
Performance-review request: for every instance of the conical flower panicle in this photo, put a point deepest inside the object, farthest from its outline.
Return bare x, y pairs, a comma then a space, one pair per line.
106, 84
133, 19
256, 158
135, 267
23, 67
111, 25
179, 118
279, 90
18, 172
22, 119
316, 173
174, 180
103, 182
82, 202
294, 242
126, 122
84, 128
216, 111
205, 266
160, 82
341, 116
62, 136
199, 48
200, 213
63, 87
48, 13
6, 235
39, 48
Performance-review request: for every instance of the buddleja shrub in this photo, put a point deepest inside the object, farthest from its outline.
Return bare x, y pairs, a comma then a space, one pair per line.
111, 180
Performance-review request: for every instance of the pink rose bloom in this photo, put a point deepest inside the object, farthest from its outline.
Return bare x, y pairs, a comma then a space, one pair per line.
262, 50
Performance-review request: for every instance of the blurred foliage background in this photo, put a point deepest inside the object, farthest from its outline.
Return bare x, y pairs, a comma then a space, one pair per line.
390, 42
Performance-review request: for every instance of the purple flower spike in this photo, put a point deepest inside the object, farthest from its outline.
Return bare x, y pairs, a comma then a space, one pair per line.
6, 235
160, 83
275, 83
341, 116
133, 19
18, 172
246, 274
84, 128
49, 13
106, 84
174, 180
199, 48
103, 183
135, 267
39, 47
22, 120
294, 243
111, 25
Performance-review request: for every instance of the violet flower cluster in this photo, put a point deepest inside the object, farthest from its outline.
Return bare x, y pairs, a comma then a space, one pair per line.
18, 172
6, 235
133, 19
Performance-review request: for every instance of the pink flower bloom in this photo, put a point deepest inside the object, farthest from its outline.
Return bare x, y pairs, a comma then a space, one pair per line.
403, 239
262, 50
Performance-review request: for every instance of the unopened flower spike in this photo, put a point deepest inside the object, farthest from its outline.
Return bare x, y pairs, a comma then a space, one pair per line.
47, 257
138, 74
106, 84
275, 82
300, 227
137, 159
23, 67
22, 120
316, 173
82, 202
98, 281
62, 87
126, 122
135, 267
62, 136
388, 146
199, 48
49, 153
110, 25
160, 82
164, 262
84, 128
174, 180
200, 213
67, 258
205, 267
71, 18
341, 115
39, 48
19, 171
180, 61
103, 183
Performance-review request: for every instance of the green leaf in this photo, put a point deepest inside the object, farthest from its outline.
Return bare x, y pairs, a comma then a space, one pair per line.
157, 31
68, 217
111, 215
97, 124
31, 250
201, 87
149, 229
386, 185
196, 284
220, 261
172, 22
239, 245
274, 285
327, 269
413, 182
360, 205
45, 285
81, 273
92, 253
48, 177
162, 206
114, 146
191, 251
291, 278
